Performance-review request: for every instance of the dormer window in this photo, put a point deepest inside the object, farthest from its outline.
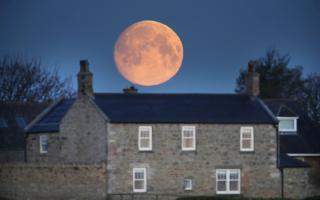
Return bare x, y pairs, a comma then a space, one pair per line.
288, 124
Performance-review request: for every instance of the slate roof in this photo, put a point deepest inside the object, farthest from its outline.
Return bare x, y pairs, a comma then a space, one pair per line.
291, 162
182, 108
306, 141
167, 108
50, 122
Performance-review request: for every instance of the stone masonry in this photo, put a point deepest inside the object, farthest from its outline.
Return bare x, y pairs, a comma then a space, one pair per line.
53, 182
82, 138
217, 146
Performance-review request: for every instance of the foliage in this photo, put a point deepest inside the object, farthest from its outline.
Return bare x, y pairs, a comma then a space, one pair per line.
277, 80
23, 80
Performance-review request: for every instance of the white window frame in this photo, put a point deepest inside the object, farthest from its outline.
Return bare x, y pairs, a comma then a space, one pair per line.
144, 170
41, 142
185, 184
149, 129
188, 128
294, 124
227, 191
242, 130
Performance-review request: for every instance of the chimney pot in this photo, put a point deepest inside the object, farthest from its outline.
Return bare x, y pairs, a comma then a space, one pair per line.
130, 90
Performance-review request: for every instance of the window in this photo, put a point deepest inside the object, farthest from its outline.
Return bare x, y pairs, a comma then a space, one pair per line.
287, 124
43, 144
188, 138
139, 180
228, 181
3, 123
246, 139
145, 138
187, 184
21, 122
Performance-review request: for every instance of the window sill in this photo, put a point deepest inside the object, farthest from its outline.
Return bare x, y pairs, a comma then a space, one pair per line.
145, 151
246, 151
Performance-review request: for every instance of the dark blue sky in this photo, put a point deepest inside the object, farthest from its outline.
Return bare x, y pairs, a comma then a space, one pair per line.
218, 36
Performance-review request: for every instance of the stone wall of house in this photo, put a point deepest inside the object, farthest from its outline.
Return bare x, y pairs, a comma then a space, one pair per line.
303, 182
25, 181
217, 146
81, 139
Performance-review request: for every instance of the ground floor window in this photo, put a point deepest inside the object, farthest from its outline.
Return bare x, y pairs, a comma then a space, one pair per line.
43, 140
139, 180
187, 184
228, 181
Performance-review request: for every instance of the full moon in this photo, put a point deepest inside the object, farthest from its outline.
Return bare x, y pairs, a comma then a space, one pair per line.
148, 53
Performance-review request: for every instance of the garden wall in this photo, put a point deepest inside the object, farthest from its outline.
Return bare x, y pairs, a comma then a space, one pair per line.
25, 181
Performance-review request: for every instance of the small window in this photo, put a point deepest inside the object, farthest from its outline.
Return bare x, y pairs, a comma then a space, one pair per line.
3, 123
228, 181
287, 124
187, 184
188, 138
145, 138
21, 122
43, 143
139, 180
246, 139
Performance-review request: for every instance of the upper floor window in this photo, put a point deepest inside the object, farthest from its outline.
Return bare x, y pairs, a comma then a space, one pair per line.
139, 180
287, 124
43, 140
228, 181
145, 138
21, 122
246, 139
188, 138
3, 123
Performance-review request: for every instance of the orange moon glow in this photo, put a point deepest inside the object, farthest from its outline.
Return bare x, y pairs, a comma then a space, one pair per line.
148, 53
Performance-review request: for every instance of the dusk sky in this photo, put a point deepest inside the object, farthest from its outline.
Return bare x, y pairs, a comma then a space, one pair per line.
219, 37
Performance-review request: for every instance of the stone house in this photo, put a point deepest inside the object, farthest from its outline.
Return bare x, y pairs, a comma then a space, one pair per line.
179, 144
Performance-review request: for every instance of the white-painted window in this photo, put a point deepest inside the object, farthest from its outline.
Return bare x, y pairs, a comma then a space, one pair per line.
246, 139
187, 184
145, 138
288, 124
188, 141
43, 140
139, 180
228, 181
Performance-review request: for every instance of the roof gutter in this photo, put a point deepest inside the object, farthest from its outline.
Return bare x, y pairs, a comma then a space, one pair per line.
303, 154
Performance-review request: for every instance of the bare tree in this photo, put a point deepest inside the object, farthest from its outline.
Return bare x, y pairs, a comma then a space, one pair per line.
310, 97
23, 80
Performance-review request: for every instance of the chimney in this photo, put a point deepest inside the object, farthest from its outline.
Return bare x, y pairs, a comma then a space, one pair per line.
130, 90
85, 80
252, 80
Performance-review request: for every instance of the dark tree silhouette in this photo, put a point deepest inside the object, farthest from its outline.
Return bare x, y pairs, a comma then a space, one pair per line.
23, 80
277, 80
310, 97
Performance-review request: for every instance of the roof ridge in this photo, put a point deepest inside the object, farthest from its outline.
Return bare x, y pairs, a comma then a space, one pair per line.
169, 94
